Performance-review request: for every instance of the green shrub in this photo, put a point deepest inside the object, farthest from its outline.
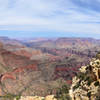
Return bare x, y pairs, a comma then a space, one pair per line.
89, 94
96, 83
18, 97
76, 86
62, 93
89, 81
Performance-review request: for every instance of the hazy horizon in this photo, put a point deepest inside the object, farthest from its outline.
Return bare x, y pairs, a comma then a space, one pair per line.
44, 37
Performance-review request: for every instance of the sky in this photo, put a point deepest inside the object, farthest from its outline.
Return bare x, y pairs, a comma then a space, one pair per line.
50, 18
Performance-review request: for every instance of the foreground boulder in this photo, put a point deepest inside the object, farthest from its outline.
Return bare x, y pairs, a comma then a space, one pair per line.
49, 97
86, 84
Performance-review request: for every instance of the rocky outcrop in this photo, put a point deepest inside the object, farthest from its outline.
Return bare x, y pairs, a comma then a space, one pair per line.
49, 97
86, 85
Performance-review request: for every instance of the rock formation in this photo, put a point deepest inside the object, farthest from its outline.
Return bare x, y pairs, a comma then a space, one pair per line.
86, 84
49, 97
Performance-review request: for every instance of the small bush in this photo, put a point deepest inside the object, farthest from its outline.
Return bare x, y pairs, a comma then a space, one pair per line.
96, 83
89, 94
62, 93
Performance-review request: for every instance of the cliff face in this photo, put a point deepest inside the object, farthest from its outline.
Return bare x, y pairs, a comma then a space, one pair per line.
86, 85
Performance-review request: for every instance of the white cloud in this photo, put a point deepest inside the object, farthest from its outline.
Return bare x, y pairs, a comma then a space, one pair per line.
47, 15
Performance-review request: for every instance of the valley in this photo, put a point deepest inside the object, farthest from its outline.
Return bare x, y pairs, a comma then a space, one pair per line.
41, 66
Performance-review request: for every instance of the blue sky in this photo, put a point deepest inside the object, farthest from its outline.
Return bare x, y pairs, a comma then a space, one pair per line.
50, 18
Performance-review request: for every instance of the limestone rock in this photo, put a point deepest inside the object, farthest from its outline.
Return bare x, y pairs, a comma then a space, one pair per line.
49, 97
86, 85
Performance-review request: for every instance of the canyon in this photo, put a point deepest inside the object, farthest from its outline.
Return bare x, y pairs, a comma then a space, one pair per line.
39, 67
